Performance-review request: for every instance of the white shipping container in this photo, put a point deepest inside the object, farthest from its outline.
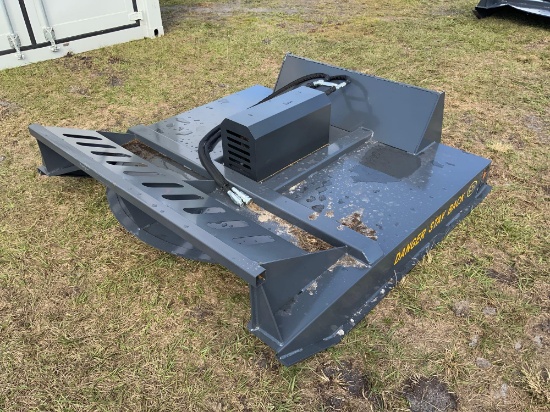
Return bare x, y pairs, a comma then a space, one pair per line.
35, 30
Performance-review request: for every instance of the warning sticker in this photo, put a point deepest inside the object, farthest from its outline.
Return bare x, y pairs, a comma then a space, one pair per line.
435, 223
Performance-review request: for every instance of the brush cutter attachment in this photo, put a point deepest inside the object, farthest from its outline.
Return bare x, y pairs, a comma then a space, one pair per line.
349, 184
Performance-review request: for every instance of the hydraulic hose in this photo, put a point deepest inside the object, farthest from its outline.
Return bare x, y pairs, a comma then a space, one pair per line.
206, 145
293, 84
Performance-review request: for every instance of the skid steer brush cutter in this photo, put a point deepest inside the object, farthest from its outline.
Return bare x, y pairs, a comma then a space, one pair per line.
321, 194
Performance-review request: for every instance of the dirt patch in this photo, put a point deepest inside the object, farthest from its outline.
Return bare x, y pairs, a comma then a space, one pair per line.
544, 326
174, 14
537, 125
489, 311
540, 334
483, 363
449, 11
201, 312
115, 60
115, 81
345, 387
266, 360
156, 158
506, 277
429, 395
78, 89
70, 291
304, 240
222, 9
244, 404
462, 308
6, 104
76, 61
355, 223
95, 67
538, 330
142, 150
7, 108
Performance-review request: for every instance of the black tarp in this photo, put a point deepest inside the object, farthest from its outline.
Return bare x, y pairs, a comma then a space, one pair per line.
487, 7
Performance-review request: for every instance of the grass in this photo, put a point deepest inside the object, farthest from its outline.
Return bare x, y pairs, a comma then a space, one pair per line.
92, 319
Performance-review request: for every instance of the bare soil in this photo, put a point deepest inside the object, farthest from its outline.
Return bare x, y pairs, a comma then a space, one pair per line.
429, 395
344, 387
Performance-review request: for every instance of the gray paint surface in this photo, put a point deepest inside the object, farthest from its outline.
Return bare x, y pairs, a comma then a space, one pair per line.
400, 115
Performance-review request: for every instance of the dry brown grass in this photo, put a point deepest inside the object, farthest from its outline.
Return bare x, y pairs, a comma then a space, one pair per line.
93, 319
304, 240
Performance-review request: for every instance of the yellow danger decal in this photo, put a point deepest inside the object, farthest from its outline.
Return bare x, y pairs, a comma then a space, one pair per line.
410, 246
435, 223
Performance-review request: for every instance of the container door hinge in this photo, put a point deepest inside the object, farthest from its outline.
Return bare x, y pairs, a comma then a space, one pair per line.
15, 43
136, 16
49, 34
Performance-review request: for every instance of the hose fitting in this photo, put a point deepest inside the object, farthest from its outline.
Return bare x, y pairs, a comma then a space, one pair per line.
244, 197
